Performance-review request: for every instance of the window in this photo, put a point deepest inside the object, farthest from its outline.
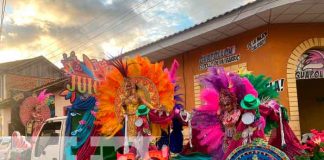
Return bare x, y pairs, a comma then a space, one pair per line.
1, 88
49, 135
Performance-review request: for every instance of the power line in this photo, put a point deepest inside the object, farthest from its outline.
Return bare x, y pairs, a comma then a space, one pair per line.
88, 44
98, 16
102, 26
116, 26
4, 2
113, 26
99, 34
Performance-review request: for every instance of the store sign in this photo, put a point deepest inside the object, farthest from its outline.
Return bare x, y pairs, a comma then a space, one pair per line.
258, 42
311, 65
219, 57
278, 85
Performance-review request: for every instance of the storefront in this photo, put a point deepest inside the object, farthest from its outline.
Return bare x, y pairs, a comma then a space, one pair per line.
292, 54
278, 58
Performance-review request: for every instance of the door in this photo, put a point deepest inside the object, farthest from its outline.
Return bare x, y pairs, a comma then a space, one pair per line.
48, 143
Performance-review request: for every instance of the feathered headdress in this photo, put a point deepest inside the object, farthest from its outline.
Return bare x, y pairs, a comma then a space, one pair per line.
260, 83
43, 96
118, 63
107, 94
219, 80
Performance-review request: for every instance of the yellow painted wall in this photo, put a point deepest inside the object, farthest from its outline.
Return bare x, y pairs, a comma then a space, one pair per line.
271, 59
6, 119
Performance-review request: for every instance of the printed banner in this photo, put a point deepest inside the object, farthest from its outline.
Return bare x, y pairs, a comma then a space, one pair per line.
278, 85
219, 57
311, 65
258, 42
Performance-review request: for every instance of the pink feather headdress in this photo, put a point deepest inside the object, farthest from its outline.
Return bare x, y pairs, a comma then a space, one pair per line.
211, 99
173, 71
43, 96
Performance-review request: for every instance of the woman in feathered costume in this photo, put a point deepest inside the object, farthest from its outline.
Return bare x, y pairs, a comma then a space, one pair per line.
132, 82
224, 120
216, 120
38, 106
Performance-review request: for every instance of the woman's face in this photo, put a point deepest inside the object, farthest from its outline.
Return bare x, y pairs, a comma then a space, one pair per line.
226, 101
129, 87
226, 104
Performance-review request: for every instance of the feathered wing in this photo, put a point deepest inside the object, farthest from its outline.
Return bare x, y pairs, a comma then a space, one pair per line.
107, 92
210, 131
249, 87
216, 79
205, 121
210, 97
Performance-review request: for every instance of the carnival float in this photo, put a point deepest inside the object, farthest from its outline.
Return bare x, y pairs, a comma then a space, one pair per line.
133, 98
136, 105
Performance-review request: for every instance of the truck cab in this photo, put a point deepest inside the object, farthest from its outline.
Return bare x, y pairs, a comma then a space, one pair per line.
49, 144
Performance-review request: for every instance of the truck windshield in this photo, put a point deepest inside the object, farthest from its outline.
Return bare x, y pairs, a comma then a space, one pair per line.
49, 135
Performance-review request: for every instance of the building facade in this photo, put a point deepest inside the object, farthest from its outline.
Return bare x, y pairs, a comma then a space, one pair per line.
23, 78
281, 39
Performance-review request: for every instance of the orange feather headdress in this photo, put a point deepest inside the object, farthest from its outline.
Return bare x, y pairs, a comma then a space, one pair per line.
138, 68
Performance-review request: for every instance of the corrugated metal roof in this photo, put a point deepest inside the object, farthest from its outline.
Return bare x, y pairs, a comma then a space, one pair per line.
194, 26
9, 65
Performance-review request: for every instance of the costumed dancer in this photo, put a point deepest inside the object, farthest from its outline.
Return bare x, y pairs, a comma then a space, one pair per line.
39, 112
131, 83
251, 125
232, 115
216, 120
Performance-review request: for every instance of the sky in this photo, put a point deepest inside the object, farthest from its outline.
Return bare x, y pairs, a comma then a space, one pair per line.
97, 28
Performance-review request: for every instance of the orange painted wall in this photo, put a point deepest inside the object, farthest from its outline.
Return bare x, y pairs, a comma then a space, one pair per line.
271, 59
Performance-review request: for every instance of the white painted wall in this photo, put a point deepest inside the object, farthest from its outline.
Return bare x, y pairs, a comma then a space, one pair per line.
60, 103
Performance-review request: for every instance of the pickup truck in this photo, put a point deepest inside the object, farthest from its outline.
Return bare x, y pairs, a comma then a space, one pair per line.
49, 144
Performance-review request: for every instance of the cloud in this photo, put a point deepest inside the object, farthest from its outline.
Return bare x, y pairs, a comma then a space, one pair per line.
98, 27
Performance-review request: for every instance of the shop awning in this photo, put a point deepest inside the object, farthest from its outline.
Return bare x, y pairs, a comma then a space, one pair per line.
244, 18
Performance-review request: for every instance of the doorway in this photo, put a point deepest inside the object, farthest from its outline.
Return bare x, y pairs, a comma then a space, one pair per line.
311, 104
